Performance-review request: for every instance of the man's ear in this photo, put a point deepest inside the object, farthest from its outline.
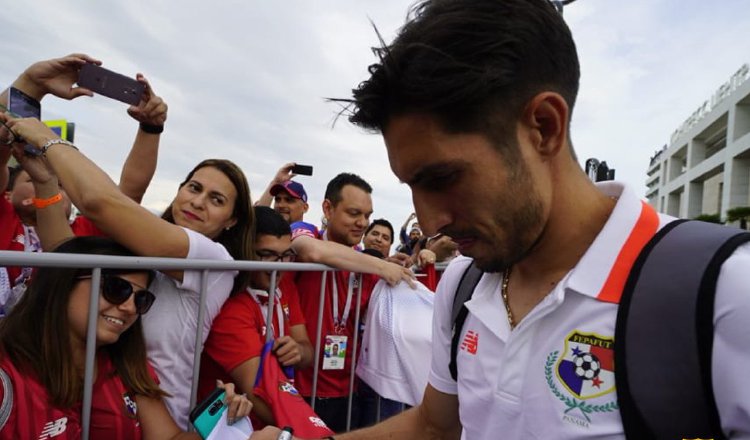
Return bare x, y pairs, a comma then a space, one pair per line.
545, 120
306, 206
327, 208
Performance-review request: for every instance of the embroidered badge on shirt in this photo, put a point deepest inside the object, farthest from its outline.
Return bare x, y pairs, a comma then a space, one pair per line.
131, 408
585, 370
286, 387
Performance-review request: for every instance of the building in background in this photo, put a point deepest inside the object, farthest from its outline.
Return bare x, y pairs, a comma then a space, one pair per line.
705, 169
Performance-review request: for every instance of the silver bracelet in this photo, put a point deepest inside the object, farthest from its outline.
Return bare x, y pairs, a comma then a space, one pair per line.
52, 142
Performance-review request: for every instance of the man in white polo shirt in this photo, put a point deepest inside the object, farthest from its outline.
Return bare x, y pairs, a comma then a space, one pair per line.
474, 101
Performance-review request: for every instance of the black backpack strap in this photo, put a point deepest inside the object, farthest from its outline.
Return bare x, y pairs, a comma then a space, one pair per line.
464, 291
664, 333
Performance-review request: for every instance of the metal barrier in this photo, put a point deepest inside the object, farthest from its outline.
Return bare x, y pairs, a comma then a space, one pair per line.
99, 262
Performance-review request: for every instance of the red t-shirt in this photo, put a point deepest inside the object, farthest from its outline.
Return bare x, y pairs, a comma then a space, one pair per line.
331, 383
238, 333
114, 413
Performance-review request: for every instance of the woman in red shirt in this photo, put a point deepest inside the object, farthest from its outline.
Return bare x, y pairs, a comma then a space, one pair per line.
42, 354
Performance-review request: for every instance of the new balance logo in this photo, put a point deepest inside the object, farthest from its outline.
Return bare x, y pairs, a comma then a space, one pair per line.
471, 342
53, 429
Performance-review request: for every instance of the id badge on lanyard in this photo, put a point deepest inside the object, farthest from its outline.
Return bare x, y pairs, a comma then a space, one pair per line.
334, 349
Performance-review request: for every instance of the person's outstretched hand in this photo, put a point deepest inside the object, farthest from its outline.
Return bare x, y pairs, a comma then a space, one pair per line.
56, 76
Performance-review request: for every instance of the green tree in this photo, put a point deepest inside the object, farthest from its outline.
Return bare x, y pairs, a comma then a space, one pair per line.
741, 214
711, 218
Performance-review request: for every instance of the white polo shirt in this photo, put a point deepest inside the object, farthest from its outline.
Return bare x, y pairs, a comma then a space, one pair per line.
553, 376
397, 341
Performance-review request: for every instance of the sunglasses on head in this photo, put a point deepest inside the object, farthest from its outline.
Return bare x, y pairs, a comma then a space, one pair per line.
117, 290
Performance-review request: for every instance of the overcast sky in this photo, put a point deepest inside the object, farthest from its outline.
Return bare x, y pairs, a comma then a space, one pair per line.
246, 80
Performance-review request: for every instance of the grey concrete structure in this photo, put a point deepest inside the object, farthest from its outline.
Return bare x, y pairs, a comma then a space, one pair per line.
705, 169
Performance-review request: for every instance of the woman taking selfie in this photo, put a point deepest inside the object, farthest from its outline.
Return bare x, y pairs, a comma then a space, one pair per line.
209, 218
43, 348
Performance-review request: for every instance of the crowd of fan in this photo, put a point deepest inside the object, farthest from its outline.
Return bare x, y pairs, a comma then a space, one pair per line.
144, 361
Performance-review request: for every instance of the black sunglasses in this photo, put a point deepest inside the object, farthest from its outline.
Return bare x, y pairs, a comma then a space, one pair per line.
117, 290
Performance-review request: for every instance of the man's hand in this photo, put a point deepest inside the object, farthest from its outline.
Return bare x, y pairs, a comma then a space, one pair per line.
426, 257
287, 351
152, 110
55, 76
267, 433
283, 174
35, 166
400, 258
394, 273
238, 405
443, 246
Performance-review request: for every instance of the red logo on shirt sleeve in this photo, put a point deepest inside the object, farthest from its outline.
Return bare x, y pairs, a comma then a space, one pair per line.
471, 342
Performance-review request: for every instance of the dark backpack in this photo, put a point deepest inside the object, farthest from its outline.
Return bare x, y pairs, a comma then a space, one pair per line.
668, 301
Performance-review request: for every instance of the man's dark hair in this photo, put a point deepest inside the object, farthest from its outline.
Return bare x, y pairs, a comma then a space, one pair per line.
382, 222
270, 222
333, 190
471, 64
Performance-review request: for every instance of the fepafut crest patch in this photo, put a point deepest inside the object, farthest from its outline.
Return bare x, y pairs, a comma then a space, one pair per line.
585, 370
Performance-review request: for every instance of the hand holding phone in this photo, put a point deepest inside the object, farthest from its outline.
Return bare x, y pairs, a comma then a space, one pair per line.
303, 170
21, 105
110, 84
210, 419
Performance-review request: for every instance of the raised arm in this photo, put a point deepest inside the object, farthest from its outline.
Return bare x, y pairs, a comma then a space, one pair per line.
282, 175
436, 418
56, 76
312, 250
402, 235
99, 199
140, 164
4, 157
52, 225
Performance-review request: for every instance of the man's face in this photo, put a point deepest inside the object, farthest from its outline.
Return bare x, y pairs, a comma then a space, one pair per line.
462, 186
379, 238
348, 220
269, 245
414, 235
290, 207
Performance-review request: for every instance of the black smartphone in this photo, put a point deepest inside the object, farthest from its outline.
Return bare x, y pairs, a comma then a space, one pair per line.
304, 170
23, 105
110, 84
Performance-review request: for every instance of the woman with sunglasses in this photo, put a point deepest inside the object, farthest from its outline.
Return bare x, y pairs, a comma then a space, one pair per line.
43, 347
210, 218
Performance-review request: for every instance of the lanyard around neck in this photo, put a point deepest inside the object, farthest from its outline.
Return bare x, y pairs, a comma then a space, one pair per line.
339, 322
256, 294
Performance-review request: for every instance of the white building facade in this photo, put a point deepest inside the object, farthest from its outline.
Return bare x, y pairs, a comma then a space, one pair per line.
705, 169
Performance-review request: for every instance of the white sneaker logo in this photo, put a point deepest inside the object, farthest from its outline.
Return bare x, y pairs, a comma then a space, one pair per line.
53, 429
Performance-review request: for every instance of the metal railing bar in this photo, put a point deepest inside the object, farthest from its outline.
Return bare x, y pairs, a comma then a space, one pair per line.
88, 377
199, 338
270, 306
354, 354
43, 259
316, 365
